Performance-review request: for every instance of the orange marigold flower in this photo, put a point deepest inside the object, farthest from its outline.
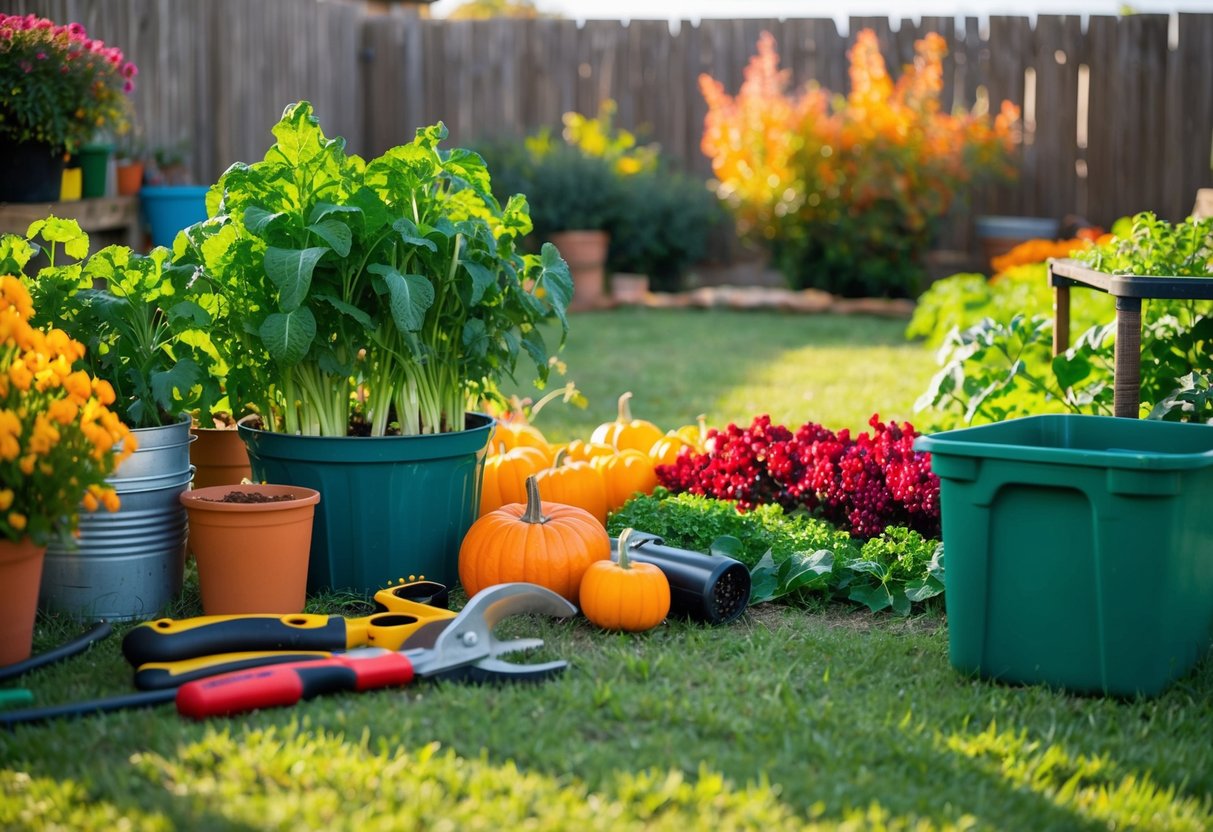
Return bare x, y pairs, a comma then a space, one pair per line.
17, 520
79, 385
20, 375
104, 391
6, 499
89, 502
63, 411
109, 498
27, 463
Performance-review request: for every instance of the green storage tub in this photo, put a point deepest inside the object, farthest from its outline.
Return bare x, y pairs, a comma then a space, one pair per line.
1079, 550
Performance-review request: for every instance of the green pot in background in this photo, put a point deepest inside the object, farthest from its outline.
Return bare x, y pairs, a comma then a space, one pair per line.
390, 506
94, 169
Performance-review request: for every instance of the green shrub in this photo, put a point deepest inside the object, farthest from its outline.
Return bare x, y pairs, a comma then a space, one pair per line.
662, 226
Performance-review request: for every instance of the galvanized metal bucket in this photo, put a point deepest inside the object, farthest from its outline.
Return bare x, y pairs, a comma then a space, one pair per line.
128, 565
162, 450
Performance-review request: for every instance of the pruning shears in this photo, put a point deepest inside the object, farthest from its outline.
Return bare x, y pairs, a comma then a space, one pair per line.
168, 652
465, 650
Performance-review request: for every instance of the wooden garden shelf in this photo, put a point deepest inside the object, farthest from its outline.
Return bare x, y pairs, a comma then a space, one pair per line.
108, 214
1129, 291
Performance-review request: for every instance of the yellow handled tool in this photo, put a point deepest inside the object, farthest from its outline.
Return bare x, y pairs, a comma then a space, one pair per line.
407, 615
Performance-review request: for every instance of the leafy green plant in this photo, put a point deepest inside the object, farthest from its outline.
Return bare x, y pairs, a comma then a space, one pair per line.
134, 314
964, 300
390, 289
994, 371
794, 556
1155, 247
571, 191
1191, 401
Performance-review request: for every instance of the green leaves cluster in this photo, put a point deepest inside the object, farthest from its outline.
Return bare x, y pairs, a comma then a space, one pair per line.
390, 289
794, 556
134, 313
965, 300
995, 371
1156, 248
995, 338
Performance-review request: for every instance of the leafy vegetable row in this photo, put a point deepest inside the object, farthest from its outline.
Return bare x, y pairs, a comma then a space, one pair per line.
795, 556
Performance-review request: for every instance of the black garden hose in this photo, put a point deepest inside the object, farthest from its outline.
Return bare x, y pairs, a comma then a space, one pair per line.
78, 645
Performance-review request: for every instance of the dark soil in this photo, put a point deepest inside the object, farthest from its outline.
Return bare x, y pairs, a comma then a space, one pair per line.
250, 497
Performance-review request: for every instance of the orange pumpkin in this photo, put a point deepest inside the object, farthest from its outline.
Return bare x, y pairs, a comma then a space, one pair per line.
626, 432
541, 543
576, 484
518, 434
666, 449
625, 595
626, 473
505, 477
582, 451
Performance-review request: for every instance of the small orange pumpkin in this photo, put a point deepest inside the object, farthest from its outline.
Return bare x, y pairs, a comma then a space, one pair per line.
575, 484
505, 476
626, 432
625, 595
626, 473
541, 543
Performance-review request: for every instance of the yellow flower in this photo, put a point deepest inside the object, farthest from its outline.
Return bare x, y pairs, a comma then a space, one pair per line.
45, 437
26, 464
89, 502
109, 498
17, 520
6, 498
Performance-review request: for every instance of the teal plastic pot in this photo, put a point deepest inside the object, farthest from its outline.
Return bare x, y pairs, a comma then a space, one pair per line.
390, 506
170, 208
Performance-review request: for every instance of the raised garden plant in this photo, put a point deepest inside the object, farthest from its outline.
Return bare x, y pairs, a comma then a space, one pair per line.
381, 294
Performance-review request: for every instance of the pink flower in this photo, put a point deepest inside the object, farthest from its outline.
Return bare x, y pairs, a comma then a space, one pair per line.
41, 56
128, 86
75, 29
130, 70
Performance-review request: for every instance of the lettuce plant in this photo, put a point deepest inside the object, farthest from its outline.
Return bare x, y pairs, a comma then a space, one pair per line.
387, 291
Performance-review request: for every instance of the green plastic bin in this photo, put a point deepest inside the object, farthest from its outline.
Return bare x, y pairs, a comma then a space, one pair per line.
1079, 550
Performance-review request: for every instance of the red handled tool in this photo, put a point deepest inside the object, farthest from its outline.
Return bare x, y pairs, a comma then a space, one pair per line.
466, 649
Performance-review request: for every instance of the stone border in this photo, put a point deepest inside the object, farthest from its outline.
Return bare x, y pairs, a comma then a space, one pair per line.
762, 298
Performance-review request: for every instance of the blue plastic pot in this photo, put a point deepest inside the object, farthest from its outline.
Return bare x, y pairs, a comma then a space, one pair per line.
170, 208
390, 506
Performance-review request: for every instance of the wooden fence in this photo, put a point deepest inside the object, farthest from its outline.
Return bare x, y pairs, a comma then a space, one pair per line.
1118, 110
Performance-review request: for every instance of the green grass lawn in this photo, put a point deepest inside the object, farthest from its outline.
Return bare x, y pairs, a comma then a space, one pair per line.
828, 718
732, 366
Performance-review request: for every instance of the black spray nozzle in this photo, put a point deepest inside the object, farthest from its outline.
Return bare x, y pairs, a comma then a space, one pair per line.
711, 588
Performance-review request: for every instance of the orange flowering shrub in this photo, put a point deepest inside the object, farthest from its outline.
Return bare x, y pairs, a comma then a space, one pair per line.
1037, 251
57, 434
847, 189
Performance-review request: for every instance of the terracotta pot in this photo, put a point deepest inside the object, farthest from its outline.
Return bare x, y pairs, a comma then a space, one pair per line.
219, 457
629, 288
585, 252
20, 575
130, 177
252, 557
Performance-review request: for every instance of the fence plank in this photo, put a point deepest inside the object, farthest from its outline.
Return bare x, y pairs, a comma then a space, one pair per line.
219, 74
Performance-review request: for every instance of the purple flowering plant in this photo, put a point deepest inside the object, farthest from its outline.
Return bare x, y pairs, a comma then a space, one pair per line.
58, 86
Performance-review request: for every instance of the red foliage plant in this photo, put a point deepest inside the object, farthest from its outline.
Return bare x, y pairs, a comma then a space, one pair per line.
862, 484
